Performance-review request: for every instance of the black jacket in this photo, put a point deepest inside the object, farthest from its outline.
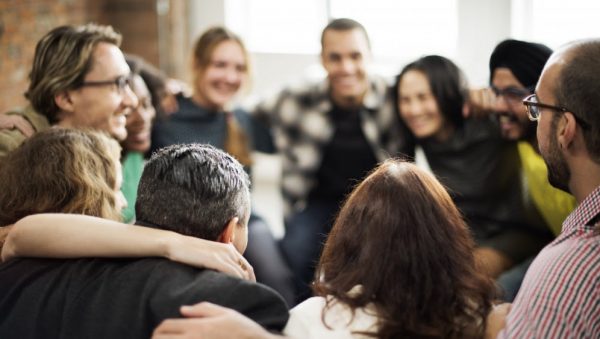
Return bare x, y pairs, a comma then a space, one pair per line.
118, 298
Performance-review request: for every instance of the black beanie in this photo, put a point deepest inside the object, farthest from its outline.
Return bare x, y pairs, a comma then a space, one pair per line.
524, 59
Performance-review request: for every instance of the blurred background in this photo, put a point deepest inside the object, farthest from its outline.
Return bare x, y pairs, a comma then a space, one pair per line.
283, 37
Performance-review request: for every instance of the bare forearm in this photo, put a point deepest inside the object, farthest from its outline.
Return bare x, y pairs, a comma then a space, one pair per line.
76, 236
70, 236
210, 321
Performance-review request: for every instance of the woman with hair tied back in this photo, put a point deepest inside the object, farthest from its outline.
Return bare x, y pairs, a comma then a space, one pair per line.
221, 70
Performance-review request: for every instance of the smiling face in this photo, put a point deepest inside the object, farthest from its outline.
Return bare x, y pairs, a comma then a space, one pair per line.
418, 108
103, 107
513, 117
345, 56
139, 121
219, 81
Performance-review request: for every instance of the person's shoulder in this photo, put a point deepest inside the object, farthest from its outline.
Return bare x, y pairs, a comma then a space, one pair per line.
183, 100
305, 319
312, 303
9, 140
12, 138
380, 84
487, 125
187, 109
37, 120
305, 93
186, 105
186, 277
482, 130
168, 269
241, 114
184, 285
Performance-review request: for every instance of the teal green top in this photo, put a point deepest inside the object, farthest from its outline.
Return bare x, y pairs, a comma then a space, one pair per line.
133, 164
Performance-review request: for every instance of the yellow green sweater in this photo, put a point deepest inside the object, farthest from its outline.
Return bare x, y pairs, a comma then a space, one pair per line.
553, 204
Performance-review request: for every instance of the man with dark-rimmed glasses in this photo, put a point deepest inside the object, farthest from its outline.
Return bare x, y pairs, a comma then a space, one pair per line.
534, 109
79, 79
560, 294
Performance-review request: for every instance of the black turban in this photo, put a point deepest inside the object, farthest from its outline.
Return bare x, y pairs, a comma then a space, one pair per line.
524, 59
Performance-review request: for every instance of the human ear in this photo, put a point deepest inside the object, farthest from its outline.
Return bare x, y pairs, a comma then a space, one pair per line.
566, 129
228, 234
63, 101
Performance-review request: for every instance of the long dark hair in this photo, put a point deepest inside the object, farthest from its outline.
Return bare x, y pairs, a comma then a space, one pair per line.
448, 86
401, 237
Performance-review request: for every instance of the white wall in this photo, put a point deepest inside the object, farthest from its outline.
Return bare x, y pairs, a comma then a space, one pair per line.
482, 24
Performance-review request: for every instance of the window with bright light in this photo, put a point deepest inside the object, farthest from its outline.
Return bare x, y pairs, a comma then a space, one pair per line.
398, 30
405, 29
555, 22
278, 26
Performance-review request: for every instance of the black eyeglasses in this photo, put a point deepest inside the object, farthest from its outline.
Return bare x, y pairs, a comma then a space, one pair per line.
533, 107
512, 95
120, 82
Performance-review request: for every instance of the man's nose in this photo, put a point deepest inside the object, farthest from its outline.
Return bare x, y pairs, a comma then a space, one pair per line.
129, 98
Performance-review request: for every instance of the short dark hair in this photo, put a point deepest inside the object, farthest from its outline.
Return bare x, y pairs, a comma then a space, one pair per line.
577, 89
344, 24
447, 82
192, 189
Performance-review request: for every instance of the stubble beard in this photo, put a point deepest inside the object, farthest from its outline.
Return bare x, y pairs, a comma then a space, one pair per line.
558, 171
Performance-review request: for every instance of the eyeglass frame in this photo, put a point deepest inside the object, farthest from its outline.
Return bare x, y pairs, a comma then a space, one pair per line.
521, 93
121, 82
529, 103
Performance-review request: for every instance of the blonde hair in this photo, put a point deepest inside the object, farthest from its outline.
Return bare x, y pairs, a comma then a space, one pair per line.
206, 45
62, 59
60, 171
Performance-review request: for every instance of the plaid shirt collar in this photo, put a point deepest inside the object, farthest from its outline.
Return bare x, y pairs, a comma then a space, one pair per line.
584, 213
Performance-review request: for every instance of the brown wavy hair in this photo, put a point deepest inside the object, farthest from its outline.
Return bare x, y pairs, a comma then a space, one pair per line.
401, 237
60, 171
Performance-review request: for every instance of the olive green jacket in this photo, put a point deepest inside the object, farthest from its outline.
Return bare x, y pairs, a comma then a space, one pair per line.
12, 138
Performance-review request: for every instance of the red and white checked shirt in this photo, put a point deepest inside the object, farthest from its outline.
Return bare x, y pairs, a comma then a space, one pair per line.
560, 295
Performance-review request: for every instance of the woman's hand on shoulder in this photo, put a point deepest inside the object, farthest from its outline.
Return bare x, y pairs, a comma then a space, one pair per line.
209, 254
9, 121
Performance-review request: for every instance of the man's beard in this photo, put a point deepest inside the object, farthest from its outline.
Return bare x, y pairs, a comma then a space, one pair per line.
527, 128
529, 131
558, 171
